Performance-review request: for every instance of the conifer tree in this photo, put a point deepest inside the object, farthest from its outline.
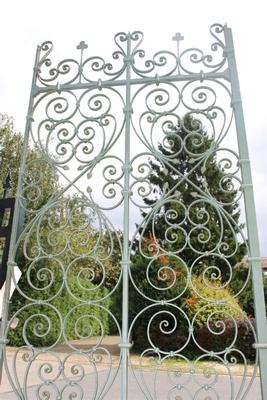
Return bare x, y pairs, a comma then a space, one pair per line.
191, 228
193, 186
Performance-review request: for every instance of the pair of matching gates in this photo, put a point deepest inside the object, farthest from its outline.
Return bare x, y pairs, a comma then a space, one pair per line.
133, 183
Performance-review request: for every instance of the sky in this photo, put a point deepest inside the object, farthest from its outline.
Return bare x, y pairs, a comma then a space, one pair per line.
25, 24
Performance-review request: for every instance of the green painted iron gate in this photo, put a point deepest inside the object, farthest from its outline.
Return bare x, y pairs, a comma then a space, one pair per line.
135, 180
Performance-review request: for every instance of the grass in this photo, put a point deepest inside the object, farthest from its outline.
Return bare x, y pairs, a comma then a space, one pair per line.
200, 367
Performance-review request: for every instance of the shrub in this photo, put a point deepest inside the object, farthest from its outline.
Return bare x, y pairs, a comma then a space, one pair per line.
204, 300
40, 324
246, 297
215, 316
244, 340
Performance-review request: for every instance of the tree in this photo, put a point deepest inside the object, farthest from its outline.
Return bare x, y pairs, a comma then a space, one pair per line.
246, 297
56, 240
192, 228
11, 144
10, 151
195, 207
68, 263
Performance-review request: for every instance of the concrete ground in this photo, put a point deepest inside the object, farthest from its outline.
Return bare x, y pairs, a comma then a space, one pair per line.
80, 378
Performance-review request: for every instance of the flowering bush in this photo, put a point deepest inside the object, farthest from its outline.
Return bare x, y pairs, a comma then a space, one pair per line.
214, 314
205, 299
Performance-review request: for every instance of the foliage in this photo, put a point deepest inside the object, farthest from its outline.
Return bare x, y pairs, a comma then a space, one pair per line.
204, 299
39, 324
11, 144
79, 270
159, 269
66, 231
209, 178
245, 339
246, 297
10, 150
200, 311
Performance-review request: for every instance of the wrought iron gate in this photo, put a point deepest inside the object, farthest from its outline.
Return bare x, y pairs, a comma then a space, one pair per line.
133, 181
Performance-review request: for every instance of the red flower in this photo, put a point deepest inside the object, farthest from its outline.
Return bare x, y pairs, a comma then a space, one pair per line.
191, 301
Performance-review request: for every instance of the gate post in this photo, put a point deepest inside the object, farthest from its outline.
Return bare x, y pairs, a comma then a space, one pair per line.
254, 257
125, 345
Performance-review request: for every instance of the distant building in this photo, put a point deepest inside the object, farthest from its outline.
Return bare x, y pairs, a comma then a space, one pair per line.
264, 265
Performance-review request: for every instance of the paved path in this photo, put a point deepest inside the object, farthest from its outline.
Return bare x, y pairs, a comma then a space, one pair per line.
135, 393
152, 386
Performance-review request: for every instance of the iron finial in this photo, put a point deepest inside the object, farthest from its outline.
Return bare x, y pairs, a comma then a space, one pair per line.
178, 37
82, 45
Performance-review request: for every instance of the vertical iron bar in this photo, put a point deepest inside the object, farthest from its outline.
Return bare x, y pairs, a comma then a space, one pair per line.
257, 275
16, 218
125, 256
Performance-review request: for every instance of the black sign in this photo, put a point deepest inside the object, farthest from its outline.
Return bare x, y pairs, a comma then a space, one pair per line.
6, 218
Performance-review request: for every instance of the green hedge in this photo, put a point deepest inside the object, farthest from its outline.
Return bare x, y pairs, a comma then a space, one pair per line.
40, 324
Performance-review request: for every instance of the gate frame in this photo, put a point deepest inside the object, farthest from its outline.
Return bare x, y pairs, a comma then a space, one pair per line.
231, 75
250, 209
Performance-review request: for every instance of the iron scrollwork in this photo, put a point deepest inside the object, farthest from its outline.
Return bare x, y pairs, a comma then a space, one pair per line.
183, 231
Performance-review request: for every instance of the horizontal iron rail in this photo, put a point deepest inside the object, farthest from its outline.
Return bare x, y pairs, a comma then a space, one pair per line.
157, 79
